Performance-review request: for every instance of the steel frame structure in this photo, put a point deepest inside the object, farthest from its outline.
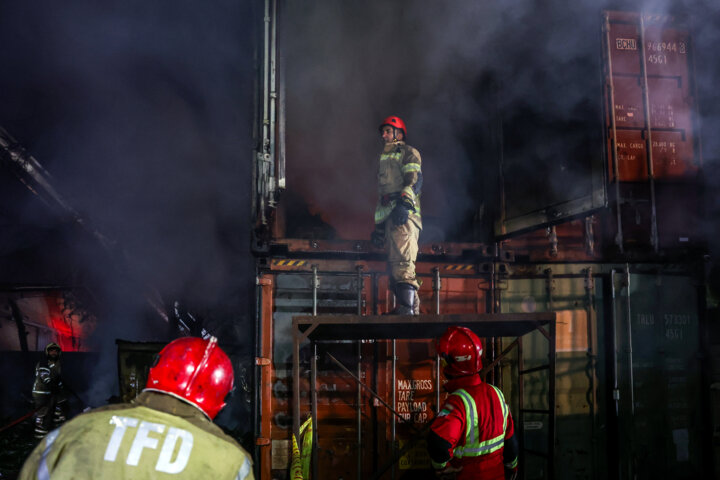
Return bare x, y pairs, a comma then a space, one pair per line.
330, 328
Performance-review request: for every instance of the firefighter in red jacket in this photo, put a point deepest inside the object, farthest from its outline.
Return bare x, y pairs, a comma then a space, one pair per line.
473, 436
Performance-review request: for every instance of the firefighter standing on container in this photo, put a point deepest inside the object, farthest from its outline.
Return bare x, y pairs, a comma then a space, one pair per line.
167, 432
48, 392
473, 436
397, 215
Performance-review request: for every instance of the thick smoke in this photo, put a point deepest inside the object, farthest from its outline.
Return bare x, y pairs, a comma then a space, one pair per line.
142, 110
453, 71
142, 113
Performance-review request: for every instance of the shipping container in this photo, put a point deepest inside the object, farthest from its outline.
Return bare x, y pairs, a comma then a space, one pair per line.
596, 348
403, 373
573, 210
654, 158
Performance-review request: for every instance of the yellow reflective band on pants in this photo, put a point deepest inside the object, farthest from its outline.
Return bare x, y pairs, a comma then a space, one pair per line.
300, 464
473, 446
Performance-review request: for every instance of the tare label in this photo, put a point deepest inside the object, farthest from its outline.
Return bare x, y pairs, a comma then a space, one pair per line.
410, 403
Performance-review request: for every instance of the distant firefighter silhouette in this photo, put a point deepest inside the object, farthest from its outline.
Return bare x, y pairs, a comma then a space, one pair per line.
49, 394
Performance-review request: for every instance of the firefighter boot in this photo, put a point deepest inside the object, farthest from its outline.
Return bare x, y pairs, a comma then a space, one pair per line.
404, 299
416, 304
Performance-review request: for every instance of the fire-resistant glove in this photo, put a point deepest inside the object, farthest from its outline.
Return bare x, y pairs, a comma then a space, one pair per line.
402, 210
400, 214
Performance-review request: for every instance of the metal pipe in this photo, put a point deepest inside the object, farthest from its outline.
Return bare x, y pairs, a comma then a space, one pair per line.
313, 373
521, 403
491, 290
296, 380
436, 289
616, 391
394, 403
630, 342
315, 285
374, 410
491, 308
262, 154
281, 150
272, 87
359, 410
613, 125
359, 269
551, 375
648, 140
314, 403
375, 293
497, 299
256, 127
257, 371
549, 288
551, 399
592, 356
266, 72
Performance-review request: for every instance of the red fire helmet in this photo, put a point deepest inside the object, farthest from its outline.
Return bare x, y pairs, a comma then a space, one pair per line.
194, 370
461, 351
394, 122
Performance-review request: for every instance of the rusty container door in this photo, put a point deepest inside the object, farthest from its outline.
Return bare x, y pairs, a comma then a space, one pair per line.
407, 383
648, 62
358, 433
653, 151
338, 410
662, 429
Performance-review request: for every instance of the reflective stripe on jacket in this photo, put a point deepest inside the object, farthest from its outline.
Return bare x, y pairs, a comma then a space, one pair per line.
475, 447
47, 377
475, 422
157, 437
399, 169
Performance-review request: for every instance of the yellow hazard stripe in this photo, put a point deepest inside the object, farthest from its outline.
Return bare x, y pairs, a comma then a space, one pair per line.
459, 267
289, 263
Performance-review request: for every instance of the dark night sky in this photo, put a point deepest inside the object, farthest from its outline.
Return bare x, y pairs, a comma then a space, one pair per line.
142, 113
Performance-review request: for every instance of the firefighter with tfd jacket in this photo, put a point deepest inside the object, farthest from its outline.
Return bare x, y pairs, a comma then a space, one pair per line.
48, 392
397, 215
473, 436
167, 432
